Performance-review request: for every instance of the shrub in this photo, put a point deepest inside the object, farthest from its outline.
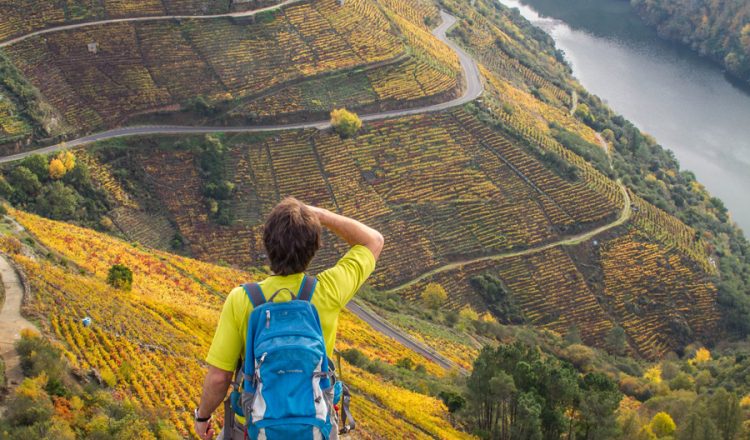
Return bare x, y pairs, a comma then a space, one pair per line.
355, 357
345, 123
579, 355
30, 403
405, 363
453, 401
120, 277
434, 296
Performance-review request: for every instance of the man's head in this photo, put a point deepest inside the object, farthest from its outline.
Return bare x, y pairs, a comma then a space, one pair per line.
291, 236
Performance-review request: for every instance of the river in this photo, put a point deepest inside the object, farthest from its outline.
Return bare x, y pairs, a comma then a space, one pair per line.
683, 100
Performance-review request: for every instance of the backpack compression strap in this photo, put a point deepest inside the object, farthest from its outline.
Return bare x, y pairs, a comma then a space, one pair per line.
347, 420
307, 288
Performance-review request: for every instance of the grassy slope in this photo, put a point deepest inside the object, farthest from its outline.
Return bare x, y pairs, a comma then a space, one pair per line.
166, 322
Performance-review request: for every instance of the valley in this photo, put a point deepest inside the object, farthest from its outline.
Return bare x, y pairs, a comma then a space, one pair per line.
158, 138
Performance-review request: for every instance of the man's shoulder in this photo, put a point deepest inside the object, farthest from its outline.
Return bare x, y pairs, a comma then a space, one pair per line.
237, 300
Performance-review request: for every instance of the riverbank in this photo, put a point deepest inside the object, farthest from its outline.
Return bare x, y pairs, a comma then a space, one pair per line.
683, 100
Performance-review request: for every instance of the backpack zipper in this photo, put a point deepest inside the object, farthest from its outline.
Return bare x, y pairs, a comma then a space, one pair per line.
268, 318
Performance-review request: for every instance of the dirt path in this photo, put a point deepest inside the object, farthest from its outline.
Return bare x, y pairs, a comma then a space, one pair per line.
11, 322
569, 241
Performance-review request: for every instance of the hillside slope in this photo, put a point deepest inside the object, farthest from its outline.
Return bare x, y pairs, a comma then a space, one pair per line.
286, 66
152, 339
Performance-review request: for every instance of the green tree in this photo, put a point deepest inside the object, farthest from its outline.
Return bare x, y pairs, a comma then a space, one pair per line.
498, 298
599, 400
453, 401
37, 164
58, 201
724, 409
25, 183
698, 426
573, 336
682, 381
120, 277
616, 341
434, 296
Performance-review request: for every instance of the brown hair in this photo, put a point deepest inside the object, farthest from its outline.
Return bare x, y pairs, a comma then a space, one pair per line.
291, 236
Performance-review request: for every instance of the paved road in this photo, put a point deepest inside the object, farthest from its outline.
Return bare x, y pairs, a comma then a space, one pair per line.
384, 327
11, 322
154, 18
573, 240
474, 88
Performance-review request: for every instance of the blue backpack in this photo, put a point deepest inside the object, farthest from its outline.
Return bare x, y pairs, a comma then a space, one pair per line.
287, 389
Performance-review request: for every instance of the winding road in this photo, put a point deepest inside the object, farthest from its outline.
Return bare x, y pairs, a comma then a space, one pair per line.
473, 90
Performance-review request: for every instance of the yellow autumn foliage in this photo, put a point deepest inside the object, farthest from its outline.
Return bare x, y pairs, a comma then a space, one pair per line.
68, 159
167, 321
56, 169
653, 374
701, 355
345, 123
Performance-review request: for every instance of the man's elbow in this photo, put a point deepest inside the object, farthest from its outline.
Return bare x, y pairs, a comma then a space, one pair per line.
377, 244
218, 378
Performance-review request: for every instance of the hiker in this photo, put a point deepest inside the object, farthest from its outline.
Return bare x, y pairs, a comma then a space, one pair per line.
291, 236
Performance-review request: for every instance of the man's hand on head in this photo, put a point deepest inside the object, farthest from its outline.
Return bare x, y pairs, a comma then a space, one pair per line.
350, 230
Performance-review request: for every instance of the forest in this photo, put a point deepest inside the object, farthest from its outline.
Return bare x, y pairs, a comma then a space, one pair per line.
717, 29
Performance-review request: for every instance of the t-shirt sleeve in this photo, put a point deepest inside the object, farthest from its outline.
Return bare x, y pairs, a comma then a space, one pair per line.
347, 276
227, 344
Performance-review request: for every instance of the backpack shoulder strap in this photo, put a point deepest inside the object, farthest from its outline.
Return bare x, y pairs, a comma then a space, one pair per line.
255, 294
307, 288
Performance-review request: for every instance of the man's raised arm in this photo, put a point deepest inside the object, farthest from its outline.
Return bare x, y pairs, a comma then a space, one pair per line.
350, 230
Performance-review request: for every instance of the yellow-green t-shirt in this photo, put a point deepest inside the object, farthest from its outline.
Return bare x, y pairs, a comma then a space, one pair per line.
336, 286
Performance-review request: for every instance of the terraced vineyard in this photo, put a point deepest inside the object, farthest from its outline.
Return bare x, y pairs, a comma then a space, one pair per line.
166, 324
12, 125
34, 15
102, 75
425, 181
